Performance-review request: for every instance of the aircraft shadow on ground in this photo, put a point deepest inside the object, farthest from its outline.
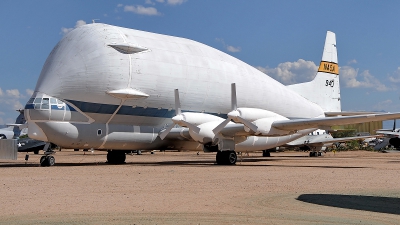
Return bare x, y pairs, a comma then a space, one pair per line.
359, 202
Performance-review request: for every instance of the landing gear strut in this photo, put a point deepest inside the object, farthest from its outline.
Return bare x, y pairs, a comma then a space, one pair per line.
226, 157
116, 157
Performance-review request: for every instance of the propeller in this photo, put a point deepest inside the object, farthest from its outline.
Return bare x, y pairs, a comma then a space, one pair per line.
179, 119
234, 115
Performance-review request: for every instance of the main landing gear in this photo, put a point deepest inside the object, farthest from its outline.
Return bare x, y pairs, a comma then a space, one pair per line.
47, 159
315, 154
226, 157
116, 157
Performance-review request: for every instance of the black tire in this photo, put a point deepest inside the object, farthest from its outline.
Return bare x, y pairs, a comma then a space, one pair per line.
35, 152
51, 160
319, 154
76, 150
231, 157
219, 158
226, 157
312, 154
43, 161
116, 157
266, 153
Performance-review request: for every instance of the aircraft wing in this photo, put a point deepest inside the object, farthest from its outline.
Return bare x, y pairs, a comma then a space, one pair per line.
334, 140
327, 122
388, 133
21, 126
348, 113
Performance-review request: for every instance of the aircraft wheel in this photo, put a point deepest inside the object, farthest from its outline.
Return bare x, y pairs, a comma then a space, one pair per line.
36, 152
43, 161
266, 153
312, 154
231, 157
319, 154
219, 158
116, 157
76, 150
51, 160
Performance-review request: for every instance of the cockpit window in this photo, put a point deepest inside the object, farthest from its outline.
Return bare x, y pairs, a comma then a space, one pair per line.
53, 101
38, 100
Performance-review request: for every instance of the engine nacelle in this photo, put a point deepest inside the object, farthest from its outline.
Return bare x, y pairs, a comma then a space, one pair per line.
205, 135
253, 114
263, 119
265, 127
199, 118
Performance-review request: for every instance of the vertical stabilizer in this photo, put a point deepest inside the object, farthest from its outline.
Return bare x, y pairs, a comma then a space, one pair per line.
324, 90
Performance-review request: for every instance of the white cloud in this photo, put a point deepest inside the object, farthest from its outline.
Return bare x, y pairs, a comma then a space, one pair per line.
13, 93
386, 105
17, 105
292, 72
175, 2
77, 24
395, 78
229, 48
353, 61
29, 92
141, 10
233, 49
149, 2
352, 79
120, 5
1, 92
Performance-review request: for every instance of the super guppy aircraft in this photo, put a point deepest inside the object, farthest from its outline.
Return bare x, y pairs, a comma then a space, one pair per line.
117, 89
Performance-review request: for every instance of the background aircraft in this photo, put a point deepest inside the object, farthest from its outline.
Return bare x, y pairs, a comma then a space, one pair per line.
112, 88
317, 140
392, 135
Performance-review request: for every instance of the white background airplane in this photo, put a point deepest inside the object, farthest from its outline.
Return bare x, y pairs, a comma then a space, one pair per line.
112, 88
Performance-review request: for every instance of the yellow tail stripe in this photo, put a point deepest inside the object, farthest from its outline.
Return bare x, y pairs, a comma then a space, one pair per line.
328, 67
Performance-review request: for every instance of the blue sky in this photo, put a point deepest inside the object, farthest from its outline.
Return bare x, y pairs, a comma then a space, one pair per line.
282, 38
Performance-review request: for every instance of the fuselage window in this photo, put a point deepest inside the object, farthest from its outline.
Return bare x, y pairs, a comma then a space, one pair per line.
45, 103
98, 132
53, 101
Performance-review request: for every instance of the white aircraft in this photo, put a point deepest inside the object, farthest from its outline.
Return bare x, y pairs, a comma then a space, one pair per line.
392, 134
117, 89
317, 140
6, 133
14, 130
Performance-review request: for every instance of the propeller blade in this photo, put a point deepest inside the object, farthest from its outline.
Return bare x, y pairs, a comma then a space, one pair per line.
166, 131
221, 126
177, 103
248, 124
233, 97
192, 127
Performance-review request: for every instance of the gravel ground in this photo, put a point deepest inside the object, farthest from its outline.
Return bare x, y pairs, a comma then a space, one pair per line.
356, 187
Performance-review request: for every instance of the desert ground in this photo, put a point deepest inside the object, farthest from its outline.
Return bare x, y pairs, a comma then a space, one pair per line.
352, 187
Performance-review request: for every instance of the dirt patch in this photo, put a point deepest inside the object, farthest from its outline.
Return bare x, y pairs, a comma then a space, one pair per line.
183, 187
